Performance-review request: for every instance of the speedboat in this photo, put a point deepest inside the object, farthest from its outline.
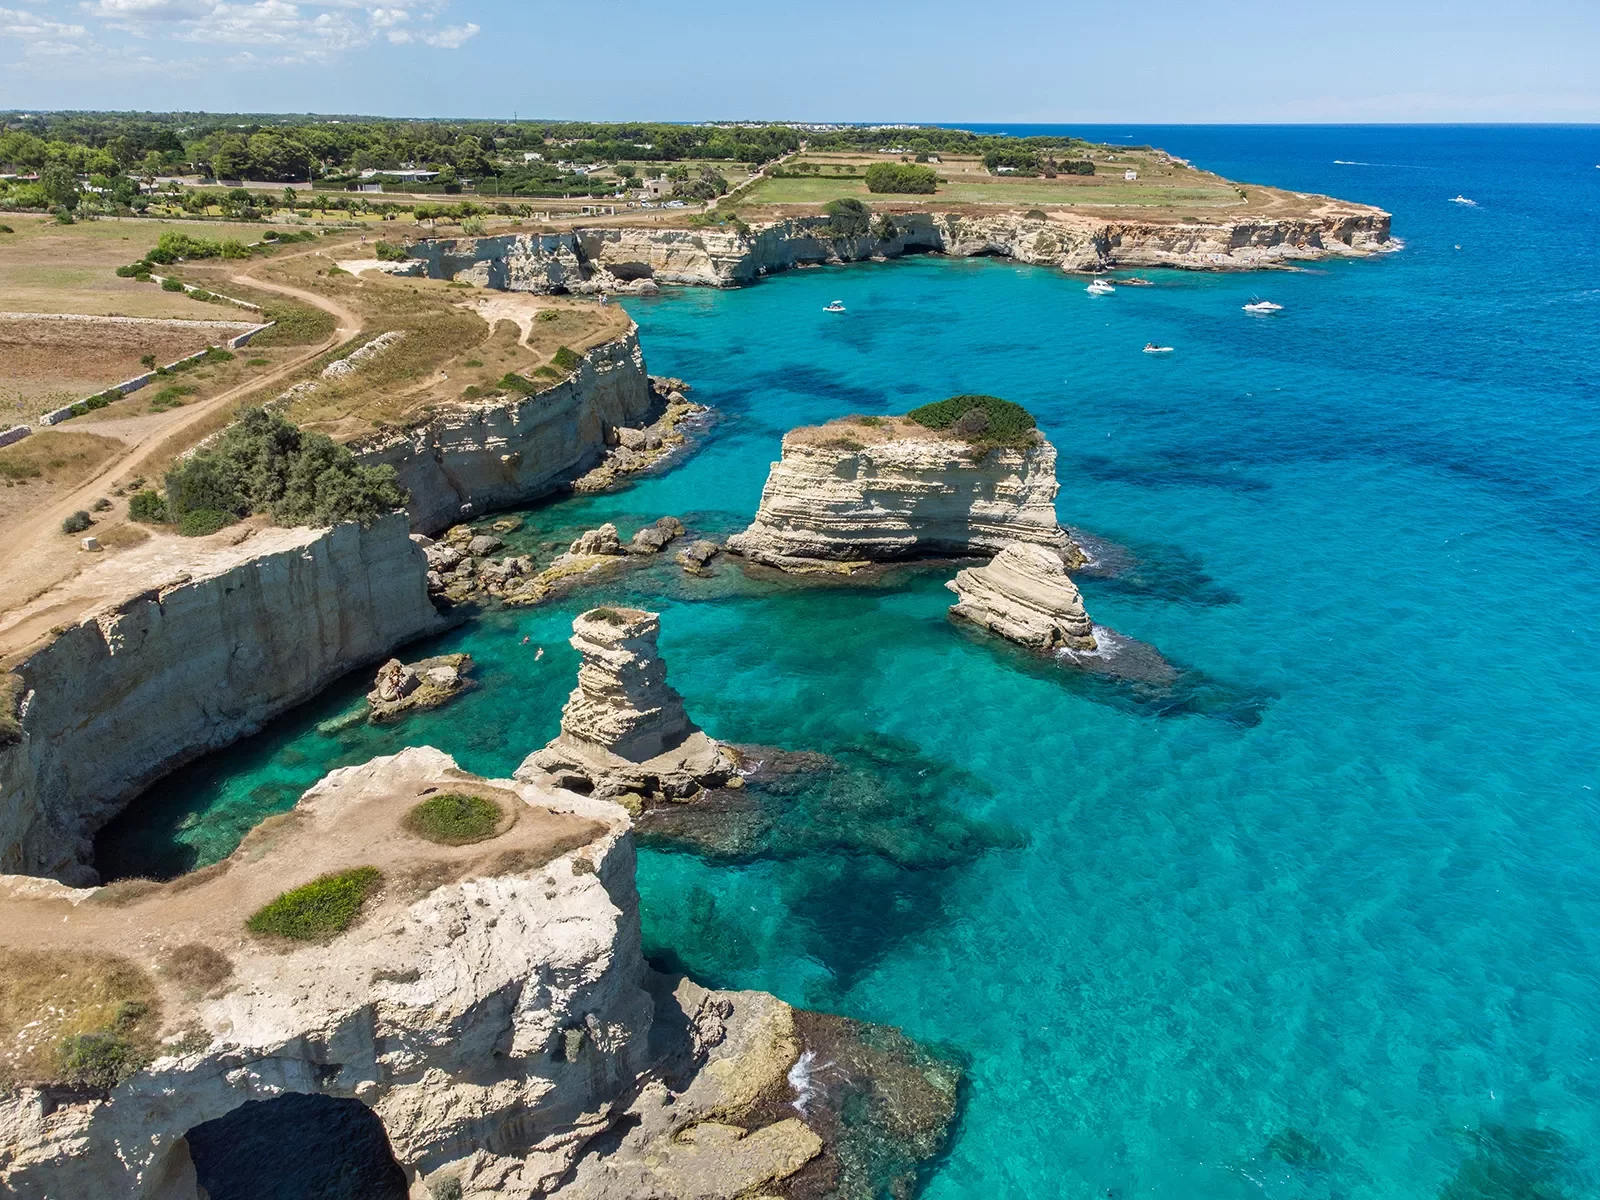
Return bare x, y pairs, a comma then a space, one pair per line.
1100, 287
1460, 199
1262, 306
836, 306
1152, 348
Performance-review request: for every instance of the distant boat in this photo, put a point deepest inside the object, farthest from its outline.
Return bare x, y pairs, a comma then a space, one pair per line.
1100, 287
1460, 199
836, 306
1262, 306
1152, 348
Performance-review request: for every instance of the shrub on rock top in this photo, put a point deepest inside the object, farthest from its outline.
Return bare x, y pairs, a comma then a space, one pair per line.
985, 421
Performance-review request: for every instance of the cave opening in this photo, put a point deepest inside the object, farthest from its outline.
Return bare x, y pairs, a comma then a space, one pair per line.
302, 1146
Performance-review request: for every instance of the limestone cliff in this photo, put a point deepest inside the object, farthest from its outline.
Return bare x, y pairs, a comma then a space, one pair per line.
490, 1005
624, 731
613, 259
1025, 595
193, 664
476, 456
845, 494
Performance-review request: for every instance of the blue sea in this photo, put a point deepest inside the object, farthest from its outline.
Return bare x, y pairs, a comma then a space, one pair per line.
1317, 917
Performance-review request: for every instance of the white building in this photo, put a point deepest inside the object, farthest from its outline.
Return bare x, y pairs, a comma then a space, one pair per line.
1130, 174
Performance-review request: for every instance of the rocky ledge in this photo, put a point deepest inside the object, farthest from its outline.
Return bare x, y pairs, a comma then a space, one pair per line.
631, 449
863, 490
486, 1024
412, 687
624, 732
1024, 594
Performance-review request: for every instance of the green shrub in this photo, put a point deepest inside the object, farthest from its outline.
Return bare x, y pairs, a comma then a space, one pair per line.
199, 522
98, 1060
318, 909
76, 523
901, 177
6, 229
170, 284
1080, 166
201, 294
512, 382
296, 325
1036, 214
847, 218
147, 507
388, 252
548, 314
233, 248
172, 245
566, 359
454, 818
1001, 423
101, 505
129, 271
263, 463
64, 216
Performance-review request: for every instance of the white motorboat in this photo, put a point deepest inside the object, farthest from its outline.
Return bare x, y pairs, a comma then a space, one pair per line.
1100, 287
1152, 348
1262, 306
1458, 198
836, 306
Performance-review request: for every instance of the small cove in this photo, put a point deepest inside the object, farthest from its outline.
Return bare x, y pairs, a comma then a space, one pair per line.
1326, 933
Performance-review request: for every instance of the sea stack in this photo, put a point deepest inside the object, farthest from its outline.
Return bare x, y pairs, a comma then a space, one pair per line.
1025, 595
624, 731
863, 490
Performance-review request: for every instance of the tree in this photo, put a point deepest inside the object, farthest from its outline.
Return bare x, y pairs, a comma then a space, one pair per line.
847, 218
60, 185
901, 177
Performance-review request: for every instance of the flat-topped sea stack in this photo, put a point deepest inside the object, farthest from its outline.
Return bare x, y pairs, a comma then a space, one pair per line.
624, 731
1025, 595
968, 475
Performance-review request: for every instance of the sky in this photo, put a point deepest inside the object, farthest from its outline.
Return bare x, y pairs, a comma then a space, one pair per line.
1150, 61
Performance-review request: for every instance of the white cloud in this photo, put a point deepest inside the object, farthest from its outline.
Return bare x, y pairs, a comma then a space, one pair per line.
18, 23
452, 37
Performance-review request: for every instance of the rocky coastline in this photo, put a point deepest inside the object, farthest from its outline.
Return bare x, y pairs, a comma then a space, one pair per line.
623, 260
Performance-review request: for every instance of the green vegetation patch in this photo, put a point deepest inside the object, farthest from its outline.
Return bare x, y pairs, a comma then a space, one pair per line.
566, 358
88, 1020
455, 818
901, 177
521, 384
297, 325
319, 909
847, 218
263, 463
984, 421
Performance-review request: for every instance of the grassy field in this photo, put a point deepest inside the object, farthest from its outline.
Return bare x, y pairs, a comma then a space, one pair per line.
53, 268
48, 464
965, 180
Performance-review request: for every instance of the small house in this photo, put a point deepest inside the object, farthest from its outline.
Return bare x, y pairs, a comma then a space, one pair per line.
1130, 174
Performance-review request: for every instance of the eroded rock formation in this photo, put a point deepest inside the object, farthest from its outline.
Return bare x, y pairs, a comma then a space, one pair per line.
193, 664
475, 456
490, 1005
1024, 594
624, 731
846, 494
637, 259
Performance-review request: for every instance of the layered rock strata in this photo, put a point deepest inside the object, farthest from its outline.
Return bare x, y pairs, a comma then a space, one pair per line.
639, 259
490, 1005
1025, 595
630, 450
191, 665
846, 494
475, 456
624, 731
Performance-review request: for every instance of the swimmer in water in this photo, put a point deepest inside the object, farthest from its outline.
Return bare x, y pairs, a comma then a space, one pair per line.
540, 654
526, 640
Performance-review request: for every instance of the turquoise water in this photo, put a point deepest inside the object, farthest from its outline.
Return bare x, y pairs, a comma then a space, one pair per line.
1319, 920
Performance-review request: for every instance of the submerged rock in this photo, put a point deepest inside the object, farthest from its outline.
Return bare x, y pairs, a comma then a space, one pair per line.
654, 538
1024, 594
624, 731
847, 494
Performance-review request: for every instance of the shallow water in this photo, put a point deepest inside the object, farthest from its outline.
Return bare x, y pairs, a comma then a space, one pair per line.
1319, 921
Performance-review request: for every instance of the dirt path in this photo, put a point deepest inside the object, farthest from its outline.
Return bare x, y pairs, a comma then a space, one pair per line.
40, 557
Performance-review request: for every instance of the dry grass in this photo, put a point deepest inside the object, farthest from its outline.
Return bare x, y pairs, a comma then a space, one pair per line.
198, 969
48, 267
36, 470
46, 997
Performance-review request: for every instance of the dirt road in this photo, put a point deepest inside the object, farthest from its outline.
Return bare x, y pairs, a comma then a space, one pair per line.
41, 557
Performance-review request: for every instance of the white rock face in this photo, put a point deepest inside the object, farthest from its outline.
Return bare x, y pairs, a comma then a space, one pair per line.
848, 494
632, 260
137, 689
491, 1005
1024, 594
624, 728
478, 456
